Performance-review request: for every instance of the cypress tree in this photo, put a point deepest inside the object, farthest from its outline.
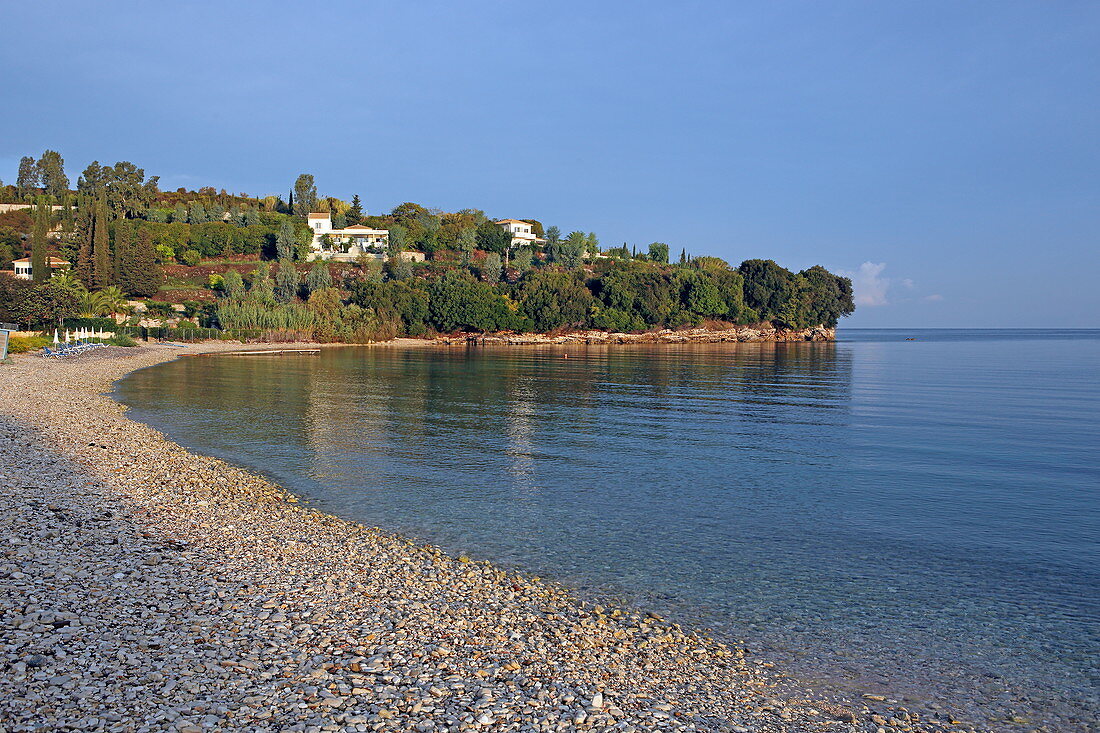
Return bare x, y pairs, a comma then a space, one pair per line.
286, 282
355, 213
285, 242
123, 247
101, 248
683, 256
319, 277
233, 285
40, 268
138, 271
85, 217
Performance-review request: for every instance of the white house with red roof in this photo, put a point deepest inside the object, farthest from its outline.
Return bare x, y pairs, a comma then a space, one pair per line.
24, 270
347, 243
523, 233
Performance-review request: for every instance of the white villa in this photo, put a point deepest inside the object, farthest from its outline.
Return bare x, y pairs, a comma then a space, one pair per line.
22, 269
521, 231
347, 243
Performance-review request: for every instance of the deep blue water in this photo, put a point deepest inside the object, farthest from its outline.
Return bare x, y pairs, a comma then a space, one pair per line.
877, 513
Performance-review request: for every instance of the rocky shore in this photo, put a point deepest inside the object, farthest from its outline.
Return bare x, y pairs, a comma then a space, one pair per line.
740, 334
146, 588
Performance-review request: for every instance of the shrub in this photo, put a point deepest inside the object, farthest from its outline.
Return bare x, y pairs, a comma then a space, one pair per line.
159, 308
23, 344
107, 324
122, 339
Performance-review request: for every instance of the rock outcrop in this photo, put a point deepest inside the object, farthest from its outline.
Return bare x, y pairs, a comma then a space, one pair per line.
740, 334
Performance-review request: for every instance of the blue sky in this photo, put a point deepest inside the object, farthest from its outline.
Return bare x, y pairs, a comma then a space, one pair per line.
945, 154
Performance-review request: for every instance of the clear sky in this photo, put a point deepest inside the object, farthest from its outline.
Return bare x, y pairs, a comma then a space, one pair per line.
945, 154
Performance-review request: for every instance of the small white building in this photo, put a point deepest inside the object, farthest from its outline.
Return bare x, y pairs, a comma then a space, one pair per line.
347, 243
23, 269
522, 232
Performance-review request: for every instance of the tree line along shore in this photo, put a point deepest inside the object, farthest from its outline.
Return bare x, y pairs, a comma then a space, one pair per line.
118, 246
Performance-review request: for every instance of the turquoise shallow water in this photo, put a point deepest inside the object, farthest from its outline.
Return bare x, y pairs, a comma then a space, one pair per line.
878, 514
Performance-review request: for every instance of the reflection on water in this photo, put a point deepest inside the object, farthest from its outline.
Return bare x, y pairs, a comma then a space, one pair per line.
919, 515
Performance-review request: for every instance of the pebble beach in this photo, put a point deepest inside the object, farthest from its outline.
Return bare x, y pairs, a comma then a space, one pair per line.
146, 588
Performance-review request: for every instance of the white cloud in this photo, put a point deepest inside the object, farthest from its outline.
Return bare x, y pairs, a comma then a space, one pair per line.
934, 298
868, 285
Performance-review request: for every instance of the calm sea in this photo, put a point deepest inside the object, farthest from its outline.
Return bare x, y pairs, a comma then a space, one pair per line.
878, 514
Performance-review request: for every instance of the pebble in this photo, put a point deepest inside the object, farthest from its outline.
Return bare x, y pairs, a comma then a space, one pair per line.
146, 588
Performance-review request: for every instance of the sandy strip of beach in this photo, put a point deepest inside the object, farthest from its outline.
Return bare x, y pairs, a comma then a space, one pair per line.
143, 587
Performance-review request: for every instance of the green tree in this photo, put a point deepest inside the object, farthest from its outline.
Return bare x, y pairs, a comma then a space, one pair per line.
466, 243
28, 178
40, 269
197, 215
46, 304
305, 195
767, 286
569, 252
13, 291
51, 174
398, 240
138, 271
286, 282
262, 290
458, 302
123, 247
491, 267
523, 257
11, 246
591, 244
339, 221
553, 235
319, 277
180, 214
704, 297
104, 302
355, 213
233, 285
400, 268
285, 242
403, 301
493, 238
102, 270
658, 252
122, 185
828, 297
554, 299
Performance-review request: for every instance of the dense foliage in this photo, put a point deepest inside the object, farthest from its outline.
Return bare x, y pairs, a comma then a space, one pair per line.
125, 237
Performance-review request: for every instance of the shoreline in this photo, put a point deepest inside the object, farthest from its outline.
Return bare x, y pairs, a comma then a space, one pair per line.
156, 589
739, 334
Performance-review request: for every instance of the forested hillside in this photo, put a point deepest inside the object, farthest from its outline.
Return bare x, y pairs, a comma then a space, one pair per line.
241, 262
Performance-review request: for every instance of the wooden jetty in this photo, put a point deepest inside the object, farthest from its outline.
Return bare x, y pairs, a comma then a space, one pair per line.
268, 352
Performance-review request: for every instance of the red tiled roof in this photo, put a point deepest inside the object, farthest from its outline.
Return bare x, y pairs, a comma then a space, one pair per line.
54, 262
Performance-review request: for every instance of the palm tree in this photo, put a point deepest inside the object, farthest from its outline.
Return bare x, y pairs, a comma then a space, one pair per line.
65, 281
105, 302
111, 300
